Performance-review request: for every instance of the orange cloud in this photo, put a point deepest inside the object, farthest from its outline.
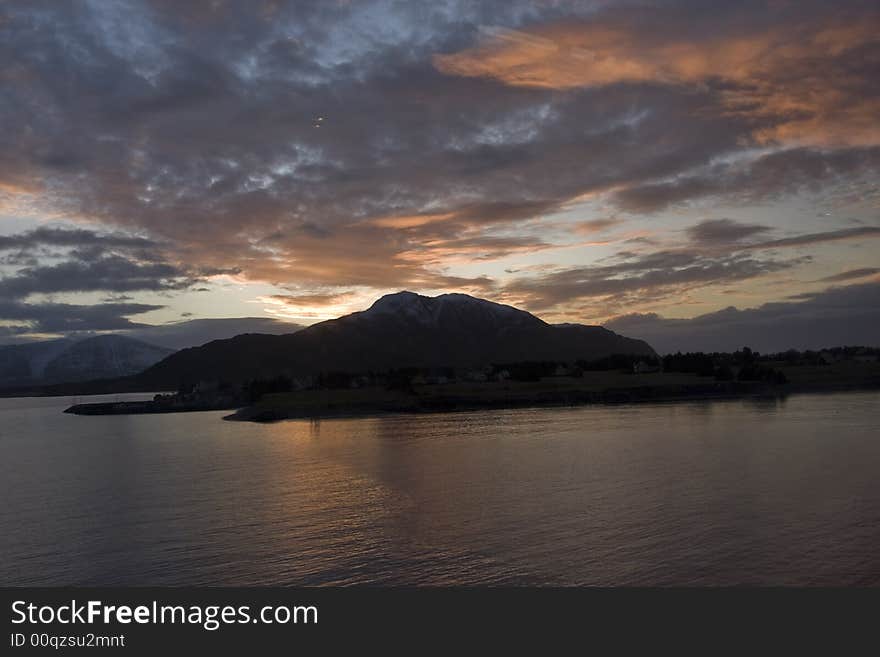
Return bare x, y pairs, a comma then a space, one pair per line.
19, 186
317, 306
410, 221
19, 195
592, 226
802, 82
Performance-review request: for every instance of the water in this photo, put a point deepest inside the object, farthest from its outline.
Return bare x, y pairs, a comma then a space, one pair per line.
732, 492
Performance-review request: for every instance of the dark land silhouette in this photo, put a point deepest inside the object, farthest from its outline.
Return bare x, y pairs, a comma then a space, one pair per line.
411, 353
71, 360
400, 330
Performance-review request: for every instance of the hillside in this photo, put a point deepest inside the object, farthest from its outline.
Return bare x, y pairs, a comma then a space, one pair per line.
196, 332
69, 360
398, 330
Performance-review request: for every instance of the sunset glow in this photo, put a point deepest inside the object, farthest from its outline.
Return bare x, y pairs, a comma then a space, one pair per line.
585, 161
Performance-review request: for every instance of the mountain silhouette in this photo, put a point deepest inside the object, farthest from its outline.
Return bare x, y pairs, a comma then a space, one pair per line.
69, 360
399, 330
196, 332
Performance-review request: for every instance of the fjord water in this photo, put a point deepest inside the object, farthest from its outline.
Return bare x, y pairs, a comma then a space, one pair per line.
774, 492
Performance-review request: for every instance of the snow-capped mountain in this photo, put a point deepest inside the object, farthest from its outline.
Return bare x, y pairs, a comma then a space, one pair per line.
447, 310
71, 360
196, 332
398, 330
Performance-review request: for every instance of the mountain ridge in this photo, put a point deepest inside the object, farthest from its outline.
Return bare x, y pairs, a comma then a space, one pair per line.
398, 330
70, 360
196, 332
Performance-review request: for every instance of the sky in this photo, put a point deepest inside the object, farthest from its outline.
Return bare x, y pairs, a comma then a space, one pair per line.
655, 166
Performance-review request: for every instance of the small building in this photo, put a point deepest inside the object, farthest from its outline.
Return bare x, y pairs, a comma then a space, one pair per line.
827, 357
644, 367
476, 375
501, 375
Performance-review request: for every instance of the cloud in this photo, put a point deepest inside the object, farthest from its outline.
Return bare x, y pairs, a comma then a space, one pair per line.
68, 237
852, 274
723, 231
65, 317
311, 299
201, 133
86, 261
834, 317
597, 225
720, 252
827, 236
733, 234
763, 64
111, 273
325, 147
641, 277
756, 179
93, 261
9, 334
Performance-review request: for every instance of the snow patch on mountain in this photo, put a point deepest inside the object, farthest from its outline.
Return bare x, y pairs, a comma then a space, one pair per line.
429, 311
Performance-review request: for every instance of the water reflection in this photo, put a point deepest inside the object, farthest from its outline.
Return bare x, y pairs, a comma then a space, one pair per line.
767, 491
767, 403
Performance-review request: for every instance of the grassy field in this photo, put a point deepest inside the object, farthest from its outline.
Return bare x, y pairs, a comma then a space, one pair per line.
835, 374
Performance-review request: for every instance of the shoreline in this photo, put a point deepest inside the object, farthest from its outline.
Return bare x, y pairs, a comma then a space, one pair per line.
268, 413
146, 407
605, 387
262, 413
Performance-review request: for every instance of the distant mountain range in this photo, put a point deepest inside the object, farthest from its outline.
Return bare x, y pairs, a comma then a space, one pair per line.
195, 332
398, 330
70, 360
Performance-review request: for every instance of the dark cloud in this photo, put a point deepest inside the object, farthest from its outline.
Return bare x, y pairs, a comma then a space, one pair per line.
9, 334
828, 236
720, 254
87, 262
68, 237
652, 276
112, 273
718, 233
723, 231
327, 145
197, 124
768, 176
65, 317
837, 316
764, 60
641, 239
480, 247
19, 259
111, 262
852, 274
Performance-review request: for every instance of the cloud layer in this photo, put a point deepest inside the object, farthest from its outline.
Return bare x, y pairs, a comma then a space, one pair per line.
56, 261
835, 317
324, 147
